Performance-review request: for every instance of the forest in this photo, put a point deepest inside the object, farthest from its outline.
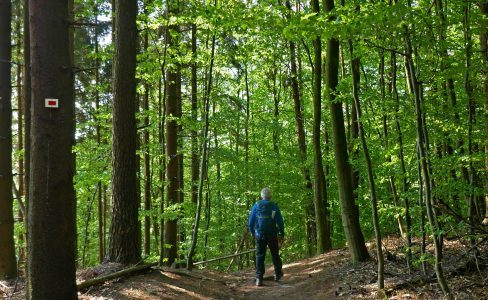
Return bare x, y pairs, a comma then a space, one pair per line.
140, 133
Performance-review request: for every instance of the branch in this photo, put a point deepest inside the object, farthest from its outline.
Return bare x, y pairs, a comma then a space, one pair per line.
384, 48
19, 199
90, 282
82, 23
223, 257
308, 54
11, 62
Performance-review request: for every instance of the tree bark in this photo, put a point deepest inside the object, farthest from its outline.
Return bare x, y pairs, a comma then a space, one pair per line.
8, 263
369, 166
125, 235
194, 116
147, 157
204, 160
320, 193
401, 156
51, 211
421, 142
101, 229
27, 110
350, 217
300, 128
173, 93
484, 49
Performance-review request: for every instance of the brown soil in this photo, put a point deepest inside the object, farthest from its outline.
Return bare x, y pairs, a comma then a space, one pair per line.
327, 276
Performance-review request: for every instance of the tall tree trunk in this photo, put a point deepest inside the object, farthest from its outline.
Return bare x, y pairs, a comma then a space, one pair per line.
423, 163
147, 157
349, 210
299, 123
408, 219
101, 229
20, 130
484, 49
369, 166
8, 263
474, 218
125, 235
27, 100
147, 176
173, 93
204, 160
448, 90
194, 116
52, 208
320, 194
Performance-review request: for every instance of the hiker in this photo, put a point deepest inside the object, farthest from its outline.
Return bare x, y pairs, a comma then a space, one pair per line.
265, 223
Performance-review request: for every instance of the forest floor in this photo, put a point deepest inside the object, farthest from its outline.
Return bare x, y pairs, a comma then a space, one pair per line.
327, 276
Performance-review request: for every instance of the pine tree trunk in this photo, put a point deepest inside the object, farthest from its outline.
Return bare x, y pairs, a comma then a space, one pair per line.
125, 236
350, 217
51, 211
8, 263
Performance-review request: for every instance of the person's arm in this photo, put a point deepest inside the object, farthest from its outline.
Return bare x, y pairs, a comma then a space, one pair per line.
252, 219
279, 221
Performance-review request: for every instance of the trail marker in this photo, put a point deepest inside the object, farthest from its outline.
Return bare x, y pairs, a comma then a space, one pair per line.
51, 103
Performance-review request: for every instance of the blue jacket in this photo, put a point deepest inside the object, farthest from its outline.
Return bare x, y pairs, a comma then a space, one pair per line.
277, 216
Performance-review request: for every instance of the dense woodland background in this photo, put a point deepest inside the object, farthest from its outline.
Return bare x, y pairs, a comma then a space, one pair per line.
365, 118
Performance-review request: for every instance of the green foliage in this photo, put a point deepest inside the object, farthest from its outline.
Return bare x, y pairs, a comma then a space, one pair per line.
252, 145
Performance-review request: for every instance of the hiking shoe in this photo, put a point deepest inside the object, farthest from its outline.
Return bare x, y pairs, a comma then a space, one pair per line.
259, 282
278, 276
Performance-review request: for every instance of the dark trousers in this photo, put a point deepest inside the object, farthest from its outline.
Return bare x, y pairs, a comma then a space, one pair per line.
272, 243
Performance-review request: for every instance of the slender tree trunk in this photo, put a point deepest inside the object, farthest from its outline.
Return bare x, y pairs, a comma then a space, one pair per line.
448, 90
320, 193
369, 166
162, 142
8, 263
483, 4
125, 235
204, 160
423, 164
101, 239
401, 156
350, 217
52, 228
173, 92
423, 244
20, 130
27, 101
299, 122
472, 213
147, 176
194, 116
147, 157
391, 178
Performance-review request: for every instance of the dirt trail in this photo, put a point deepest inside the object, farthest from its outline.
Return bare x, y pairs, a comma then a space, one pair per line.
314, 278
327, 276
